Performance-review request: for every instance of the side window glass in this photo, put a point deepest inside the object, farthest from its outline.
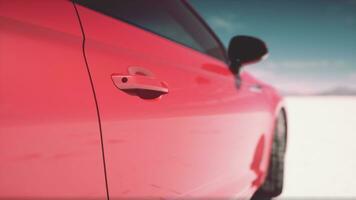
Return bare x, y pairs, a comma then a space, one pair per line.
168, 18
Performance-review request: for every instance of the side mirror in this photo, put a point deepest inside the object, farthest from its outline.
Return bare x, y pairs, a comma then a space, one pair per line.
244, 50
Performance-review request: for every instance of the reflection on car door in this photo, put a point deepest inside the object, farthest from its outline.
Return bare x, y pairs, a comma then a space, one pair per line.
198, 139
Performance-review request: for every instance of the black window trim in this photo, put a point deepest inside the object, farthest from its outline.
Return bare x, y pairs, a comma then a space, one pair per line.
195, 14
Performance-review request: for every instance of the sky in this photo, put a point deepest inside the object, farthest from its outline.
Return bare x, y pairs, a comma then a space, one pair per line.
312, 43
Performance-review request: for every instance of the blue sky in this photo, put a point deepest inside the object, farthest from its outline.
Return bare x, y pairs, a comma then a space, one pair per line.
312, 43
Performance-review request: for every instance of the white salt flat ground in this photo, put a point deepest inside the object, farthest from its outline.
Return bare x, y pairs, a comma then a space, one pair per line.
321, 154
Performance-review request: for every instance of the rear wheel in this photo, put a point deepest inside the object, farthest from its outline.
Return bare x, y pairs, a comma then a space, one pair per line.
273, 184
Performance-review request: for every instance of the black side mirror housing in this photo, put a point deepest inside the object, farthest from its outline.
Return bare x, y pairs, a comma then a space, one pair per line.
245, 50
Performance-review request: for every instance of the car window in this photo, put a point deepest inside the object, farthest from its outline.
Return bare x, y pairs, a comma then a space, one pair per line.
168, 18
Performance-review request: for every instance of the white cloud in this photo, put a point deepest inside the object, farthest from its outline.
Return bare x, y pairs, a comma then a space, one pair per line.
303, 82
352, 77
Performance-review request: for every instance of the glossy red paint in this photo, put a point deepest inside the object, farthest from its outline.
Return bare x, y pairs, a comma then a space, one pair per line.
199, 140
49, 135
205, 137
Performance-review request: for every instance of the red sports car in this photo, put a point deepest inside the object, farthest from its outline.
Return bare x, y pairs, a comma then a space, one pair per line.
132, 99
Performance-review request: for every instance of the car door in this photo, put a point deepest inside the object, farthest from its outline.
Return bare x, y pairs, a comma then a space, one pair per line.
49, 134
175, 124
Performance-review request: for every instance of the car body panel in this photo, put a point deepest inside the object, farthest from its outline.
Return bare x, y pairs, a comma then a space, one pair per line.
206, 138
209, 138
49, 134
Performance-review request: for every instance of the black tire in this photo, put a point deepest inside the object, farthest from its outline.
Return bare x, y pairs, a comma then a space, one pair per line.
273, 185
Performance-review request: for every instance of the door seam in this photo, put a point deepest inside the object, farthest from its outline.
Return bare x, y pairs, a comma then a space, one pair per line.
95, 100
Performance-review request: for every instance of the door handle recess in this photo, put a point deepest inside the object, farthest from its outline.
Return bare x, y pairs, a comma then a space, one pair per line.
146, 87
